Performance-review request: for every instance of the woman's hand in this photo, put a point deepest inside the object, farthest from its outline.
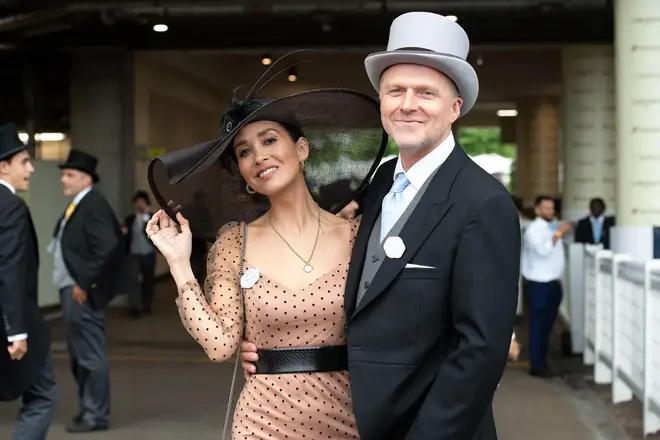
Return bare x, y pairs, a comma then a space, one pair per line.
173, 242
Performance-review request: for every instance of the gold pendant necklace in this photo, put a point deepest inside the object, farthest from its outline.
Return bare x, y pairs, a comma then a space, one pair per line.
308, 267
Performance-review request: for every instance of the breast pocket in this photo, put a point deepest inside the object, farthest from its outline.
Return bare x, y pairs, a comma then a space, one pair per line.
419, 273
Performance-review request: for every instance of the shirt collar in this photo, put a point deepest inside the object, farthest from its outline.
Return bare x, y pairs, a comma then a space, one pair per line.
418, 173
81, 194
8, 185
597, 219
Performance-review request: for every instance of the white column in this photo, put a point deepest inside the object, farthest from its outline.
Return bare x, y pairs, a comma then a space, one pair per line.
588, 128
637, 37
102, 120
537, 136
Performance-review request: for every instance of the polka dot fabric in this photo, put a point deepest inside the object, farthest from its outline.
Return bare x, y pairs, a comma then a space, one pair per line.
311, 406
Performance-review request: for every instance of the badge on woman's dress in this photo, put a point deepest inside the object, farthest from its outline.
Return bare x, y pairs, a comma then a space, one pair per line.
250, 278
394, 247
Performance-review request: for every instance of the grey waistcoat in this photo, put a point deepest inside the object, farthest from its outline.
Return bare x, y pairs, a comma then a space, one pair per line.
139, 241
61, 276
375, 253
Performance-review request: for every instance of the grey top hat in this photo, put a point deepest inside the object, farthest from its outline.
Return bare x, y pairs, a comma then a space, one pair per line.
430, 40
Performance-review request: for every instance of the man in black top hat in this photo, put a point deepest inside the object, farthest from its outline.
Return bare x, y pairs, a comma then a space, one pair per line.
26, 367
86, 250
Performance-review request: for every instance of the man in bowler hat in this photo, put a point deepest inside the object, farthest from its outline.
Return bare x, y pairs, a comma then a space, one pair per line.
86, 248
26, 366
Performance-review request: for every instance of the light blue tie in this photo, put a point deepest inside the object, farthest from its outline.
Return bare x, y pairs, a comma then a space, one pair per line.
393, 205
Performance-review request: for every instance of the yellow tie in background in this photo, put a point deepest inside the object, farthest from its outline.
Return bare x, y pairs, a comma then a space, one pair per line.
69, 210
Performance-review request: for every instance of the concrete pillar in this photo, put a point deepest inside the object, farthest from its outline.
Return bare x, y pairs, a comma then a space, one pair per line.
520, 165
637, 31
538, 140
589, 131
102, 119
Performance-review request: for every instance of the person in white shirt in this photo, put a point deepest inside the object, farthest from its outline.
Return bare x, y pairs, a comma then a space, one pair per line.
542, 268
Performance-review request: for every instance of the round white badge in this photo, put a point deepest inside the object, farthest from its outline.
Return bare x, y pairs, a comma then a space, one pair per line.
250, 278
394, 247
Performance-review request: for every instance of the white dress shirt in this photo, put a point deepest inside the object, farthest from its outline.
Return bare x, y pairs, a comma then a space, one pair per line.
81, 194
422, 170
8, 185
542, 261
597, 225
21, 336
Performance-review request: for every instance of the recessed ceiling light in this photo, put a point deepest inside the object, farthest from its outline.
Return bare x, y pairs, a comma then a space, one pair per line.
160, 28
508, 113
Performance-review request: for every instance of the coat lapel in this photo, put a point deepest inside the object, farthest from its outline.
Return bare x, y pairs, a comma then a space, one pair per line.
429, 212
377, 190
76, 209
35, 242
590, 229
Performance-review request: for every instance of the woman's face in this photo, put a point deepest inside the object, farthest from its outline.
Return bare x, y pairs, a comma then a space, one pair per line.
268, 159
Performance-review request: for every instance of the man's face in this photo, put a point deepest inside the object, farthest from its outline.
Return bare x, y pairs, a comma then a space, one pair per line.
17, 171
74, 181
417, 106
596, 208
546, 210
140, 205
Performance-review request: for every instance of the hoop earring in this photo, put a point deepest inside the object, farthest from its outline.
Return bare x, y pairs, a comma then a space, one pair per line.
249, 189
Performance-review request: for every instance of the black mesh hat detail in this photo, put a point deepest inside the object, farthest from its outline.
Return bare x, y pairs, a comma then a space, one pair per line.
346, 143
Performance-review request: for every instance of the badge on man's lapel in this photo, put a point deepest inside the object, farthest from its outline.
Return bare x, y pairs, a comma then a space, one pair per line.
394, 247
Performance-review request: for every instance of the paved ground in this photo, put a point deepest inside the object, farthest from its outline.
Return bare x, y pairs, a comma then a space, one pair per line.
159, 398
164, 388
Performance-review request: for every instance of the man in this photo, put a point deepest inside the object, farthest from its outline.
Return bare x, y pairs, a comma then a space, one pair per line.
86, 251
141, 256
432, 288
542, 269
25, 370
595, 228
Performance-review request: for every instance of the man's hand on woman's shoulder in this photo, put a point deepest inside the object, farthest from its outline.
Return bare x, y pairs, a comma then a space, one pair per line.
248, 355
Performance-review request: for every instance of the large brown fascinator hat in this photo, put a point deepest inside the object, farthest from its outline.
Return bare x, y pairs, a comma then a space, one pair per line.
346, 141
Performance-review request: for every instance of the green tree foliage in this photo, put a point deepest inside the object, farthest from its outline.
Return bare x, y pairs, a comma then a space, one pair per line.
475, 141
485, 140
328, 145
392, 149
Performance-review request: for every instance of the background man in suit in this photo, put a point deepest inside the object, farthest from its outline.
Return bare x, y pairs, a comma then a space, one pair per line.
141, 256
87, 252
26, 371
432, 288
595, 228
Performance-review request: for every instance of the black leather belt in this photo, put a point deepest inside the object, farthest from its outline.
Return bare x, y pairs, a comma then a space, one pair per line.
302, 360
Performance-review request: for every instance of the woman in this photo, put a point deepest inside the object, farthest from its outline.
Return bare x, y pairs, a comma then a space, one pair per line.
295, 263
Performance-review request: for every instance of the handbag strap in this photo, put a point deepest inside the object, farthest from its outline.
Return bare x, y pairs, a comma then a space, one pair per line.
238, 350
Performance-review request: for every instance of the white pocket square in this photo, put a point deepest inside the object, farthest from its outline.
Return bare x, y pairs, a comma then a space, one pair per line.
418, 266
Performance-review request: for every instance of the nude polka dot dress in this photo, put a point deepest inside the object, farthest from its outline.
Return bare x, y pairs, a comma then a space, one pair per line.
311, 406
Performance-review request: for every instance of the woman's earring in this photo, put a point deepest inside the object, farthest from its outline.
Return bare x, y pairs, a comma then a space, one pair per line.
249, 189
302, 165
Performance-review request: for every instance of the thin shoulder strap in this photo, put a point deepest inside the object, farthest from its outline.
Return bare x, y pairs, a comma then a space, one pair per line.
240, 272
230, 406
